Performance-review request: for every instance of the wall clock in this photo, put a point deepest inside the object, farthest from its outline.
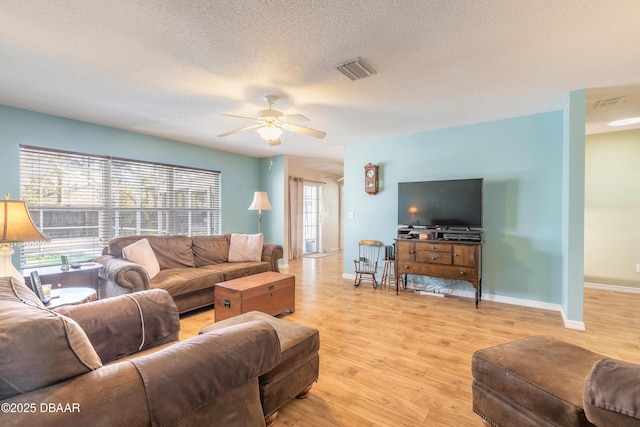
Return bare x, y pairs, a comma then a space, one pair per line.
371, 178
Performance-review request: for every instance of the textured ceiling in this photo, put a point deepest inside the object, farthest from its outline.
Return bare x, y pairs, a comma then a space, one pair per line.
170, 68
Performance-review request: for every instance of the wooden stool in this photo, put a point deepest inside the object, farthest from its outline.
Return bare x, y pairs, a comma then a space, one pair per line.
388, 273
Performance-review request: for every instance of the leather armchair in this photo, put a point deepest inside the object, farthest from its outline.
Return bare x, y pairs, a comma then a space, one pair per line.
118, 362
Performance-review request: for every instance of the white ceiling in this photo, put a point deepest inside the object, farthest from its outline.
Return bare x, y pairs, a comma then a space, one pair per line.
169, 68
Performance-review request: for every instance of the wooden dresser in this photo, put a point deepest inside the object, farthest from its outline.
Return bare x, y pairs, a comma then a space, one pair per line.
454, 258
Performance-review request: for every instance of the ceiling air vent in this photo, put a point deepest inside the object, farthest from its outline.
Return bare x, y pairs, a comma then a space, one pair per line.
356, 69
609, 102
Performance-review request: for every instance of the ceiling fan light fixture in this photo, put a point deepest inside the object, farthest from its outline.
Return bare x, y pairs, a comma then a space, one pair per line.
269, 132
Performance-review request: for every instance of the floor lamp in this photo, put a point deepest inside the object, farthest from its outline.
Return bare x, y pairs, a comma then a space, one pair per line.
260, 203
16, 226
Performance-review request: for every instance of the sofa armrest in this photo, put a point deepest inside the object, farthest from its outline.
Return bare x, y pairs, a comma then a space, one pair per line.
271, 253
611, 395
126, 274
127, 324
205, 367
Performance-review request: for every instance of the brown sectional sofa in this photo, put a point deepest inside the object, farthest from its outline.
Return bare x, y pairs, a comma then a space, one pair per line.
189, 267
118, 362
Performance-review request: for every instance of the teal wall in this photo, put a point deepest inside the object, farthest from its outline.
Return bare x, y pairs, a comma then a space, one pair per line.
272, 181
521, 161
240, 174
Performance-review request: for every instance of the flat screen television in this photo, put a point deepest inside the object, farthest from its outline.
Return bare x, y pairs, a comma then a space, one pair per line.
448, 203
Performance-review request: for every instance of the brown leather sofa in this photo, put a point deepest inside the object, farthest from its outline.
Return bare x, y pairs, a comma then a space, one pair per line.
543, 381
189, 267
118, 362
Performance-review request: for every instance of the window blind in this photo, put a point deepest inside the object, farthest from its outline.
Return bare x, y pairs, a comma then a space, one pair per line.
81, 201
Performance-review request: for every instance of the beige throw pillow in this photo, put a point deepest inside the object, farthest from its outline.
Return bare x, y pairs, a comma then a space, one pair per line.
245, 247
141, 253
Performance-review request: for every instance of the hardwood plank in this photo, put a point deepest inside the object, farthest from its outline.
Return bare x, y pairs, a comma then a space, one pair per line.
405, 360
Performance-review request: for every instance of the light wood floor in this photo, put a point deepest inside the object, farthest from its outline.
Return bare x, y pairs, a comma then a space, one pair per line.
388, 360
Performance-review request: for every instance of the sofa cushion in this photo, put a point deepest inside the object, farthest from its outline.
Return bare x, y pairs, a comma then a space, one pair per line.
39, 347
542, 374
245, 247
141, 253
210, 250
235, 270
180, 281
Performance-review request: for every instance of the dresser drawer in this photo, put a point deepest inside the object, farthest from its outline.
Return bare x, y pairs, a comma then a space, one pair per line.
434, 257
448, 271
433, 247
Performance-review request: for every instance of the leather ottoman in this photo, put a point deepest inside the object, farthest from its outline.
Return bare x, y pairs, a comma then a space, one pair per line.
298, 369
535, 381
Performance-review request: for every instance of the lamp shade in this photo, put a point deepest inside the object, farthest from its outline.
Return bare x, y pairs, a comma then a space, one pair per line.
260, 202
16, 224
269, 132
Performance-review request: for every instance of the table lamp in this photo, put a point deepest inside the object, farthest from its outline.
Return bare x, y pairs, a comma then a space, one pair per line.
16, 226
260, 203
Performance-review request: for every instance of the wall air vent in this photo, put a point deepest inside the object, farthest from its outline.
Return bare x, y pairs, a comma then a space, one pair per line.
356, 69
609, 102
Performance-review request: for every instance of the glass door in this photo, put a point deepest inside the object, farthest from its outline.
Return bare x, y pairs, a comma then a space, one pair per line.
311, 218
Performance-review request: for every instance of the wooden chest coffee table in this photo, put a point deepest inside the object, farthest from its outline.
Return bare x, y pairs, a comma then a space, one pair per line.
269, 292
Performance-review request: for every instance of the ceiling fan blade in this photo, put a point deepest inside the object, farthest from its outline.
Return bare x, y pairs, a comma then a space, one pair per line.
239, 117
304, 130
231, 132
296, 116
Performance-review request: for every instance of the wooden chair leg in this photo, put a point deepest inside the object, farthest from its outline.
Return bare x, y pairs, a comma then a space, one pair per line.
358, 279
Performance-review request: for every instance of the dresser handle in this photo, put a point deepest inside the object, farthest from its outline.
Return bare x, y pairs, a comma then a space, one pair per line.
462, 273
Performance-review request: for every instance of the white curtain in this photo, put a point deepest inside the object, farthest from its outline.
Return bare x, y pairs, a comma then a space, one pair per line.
296, 194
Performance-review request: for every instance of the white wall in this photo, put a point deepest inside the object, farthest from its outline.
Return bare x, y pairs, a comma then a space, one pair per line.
612, 208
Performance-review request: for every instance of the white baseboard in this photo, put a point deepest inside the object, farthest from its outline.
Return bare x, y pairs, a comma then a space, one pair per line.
612, 288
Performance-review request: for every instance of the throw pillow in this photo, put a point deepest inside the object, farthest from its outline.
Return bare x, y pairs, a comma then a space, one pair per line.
14, 290
40, 347
245, 247
141, 253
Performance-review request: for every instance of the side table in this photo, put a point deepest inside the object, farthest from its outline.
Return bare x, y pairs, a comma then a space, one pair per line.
85, 277
71, 296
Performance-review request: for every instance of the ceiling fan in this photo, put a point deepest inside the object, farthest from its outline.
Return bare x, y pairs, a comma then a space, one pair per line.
271, 124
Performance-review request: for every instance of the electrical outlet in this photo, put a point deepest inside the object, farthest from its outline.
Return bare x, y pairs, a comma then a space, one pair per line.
637, 268
350, 215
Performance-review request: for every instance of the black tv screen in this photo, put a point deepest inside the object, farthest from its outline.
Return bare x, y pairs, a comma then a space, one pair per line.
448, 203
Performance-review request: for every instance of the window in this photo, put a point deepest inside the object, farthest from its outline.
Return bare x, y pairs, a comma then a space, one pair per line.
82, 201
